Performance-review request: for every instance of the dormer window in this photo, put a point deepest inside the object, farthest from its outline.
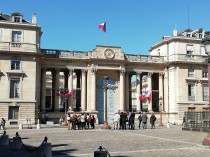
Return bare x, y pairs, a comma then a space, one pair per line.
200, 36
17, 19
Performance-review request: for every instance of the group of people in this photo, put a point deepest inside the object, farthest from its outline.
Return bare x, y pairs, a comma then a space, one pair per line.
2, 123
125, 120
81, 121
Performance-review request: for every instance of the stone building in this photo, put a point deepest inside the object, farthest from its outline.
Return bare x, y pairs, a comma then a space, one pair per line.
47, 83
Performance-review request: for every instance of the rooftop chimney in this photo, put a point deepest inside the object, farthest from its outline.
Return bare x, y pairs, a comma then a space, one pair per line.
34, 18
174, 32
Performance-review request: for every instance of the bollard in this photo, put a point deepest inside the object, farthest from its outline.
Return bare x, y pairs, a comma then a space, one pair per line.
16, 143
168, 125
20, 126
100, 152
38, 126
4, 140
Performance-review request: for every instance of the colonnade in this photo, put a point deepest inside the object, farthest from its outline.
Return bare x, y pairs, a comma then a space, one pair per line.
87, 81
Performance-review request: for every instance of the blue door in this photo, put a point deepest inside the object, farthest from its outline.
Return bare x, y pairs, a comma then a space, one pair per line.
111, 101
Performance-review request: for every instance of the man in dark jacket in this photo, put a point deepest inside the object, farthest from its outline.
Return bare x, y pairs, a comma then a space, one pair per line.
152, 121
131, 120
124, 119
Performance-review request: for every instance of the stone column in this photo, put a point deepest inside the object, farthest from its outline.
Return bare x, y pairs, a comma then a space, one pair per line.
43, 89
70, 87
122, 89
161, 85
93, 105
166, 94
127, 89
57, 84
150, 90
138, 91
83, 92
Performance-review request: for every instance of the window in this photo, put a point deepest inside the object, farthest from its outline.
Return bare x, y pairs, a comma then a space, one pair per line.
205, 92
191, 72
203, 52
14, 87
191, 92
16, 36
15, 65
189, 49
200, 35
17, 19
205, 73
13, 112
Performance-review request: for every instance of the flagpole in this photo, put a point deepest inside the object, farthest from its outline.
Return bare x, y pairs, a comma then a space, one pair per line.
104, 38
105, 34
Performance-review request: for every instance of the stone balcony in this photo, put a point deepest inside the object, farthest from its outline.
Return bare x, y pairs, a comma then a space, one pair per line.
20, 47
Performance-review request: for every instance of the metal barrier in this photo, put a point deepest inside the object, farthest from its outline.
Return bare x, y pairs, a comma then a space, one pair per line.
198, 121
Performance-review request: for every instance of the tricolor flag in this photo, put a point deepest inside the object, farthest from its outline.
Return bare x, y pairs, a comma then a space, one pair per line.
102, 26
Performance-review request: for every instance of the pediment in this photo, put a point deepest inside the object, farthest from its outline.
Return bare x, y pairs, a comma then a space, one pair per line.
108, 52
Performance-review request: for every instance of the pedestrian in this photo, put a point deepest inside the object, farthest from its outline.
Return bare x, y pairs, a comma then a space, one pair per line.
152, 120
132, 120
61, 120
116, 118
68, 121
93, 121
82, 119
139, 118
3, 121
184, 121
144, 120
124, 120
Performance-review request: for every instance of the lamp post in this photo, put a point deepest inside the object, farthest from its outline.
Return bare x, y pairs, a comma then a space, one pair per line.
63, 92
161, 102
105, 87
206, 42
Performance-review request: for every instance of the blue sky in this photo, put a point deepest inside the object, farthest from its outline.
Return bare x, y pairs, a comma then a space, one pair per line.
134, 25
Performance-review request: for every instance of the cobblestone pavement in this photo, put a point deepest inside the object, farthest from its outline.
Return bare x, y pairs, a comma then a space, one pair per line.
160, 142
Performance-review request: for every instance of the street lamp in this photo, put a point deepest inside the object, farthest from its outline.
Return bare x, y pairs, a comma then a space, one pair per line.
105, 87
64, 92
161, 102
206, 42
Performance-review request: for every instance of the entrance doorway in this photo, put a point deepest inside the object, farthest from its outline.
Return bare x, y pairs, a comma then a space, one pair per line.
111, 100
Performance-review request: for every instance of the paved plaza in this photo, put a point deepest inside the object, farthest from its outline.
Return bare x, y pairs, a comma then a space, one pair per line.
159, 142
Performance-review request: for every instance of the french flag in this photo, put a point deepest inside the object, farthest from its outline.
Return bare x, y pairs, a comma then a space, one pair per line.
102, 26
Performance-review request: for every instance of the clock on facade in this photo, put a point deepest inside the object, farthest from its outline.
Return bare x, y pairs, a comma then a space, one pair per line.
109, 53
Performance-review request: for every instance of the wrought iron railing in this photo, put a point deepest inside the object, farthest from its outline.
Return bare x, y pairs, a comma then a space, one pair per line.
196, 120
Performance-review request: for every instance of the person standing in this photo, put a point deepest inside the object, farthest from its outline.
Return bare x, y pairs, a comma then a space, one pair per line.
116, 118
132, 120
184, 121
82, 118
124, 119
3, 121
139, 118
68, 120
152, 120
144, 120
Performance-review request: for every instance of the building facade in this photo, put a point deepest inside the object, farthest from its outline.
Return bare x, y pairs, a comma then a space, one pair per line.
45, 84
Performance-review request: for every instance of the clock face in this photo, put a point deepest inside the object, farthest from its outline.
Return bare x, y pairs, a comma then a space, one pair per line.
109, 53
